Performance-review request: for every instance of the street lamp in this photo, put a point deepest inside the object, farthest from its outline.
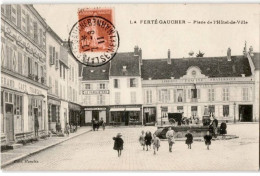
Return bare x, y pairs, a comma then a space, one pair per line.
161, 116
234, 112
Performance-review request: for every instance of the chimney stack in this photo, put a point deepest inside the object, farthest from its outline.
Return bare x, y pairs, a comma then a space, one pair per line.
140, 56
229, 54
136, 50
244, 51
169, 57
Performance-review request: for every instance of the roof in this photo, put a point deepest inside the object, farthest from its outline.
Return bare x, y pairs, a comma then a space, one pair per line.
256, 60
95, 73
127, 60
209, 66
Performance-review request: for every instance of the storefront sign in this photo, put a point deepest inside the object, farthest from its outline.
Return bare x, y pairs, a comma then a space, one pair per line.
95, 109
89, 92
18, 85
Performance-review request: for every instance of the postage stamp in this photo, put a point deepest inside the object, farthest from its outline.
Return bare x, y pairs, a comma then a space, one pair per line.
93, 39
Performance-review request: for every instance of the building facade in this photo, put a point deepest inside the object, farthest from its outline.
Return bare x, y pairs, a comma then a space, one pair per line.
23, 73
95, 93
223, 87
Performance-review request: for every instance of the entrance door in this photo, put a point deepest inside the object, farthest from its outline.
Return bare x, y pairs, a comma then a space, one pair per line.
95, 115
146, 117
246, 113
9, 122
126, 118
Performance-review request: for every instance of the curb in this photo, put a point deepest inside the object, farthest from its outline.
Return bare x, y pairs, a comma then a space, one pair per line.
39, 150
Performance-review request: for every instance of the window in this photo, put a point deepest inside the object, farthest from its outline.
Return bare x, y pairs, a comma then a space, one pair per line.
194, 111
20, 63
194, 93
180, 95
72, 74
57, 60
211, 110
148, 96
116, 83
19, 16
164, 110
87, 100
225, 110
64, 72
133, 82
117, 97
28, 29
2, 111
211, 94
87, 86
36, 69
61, 91
100, 99
245, 93
133, 97
41, 37
164, 95
13, 15
42, 72
56, 88
29, 65
180, 109
35, 32
60, 70
8, 11
51, 55
225, 94
102, 86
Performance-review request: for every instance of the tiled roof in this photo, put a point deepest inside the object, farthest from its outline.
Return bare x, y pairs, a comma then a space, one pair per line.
210, 66
96, 73
256, 60
125, 59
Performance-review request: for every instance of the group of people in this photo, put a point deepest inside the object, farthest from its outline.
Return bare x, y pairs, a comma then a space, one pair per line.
146, 139
97, 123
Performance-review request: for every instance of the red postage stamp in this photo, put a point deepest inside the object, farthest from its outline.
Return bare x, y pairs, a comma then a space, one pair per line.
94, 39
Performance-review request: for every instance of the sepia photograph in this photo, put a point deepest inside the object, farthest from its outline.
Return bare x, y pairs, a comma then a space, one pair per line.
130, 87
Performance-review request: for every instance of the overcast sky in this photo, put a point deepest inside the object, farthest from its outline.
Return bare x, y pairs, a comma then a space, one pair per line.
156, 39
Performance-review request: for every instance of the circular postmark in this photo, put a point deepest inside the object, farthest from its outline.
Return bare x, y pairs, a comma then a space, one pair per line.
93, 41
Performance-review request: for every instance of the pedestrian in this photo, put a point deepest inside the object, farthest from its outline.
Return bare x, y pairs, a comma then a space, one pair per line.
189, 139
170, 136
156, 143
118, 143
207, 139
102, 123
215, 126
142, 139
148, 139
67, 129
94, 124
104, 126
223, 129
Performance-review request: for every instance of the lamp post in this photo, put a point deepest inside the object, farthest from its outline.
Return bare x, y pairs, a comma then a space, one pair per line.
161, 116
234, 112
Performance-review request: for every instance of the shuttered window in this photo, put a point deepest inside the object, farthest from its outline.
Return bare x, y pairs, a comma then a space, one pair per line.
19, 16
20, 63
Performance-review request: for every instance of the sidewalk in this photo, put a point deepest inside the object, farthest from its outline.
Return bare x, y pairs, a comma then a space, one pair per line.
11, 156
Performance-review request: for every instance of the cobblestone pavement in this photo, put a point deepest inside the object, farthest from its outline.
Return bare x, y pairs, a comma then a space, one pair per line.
94, 151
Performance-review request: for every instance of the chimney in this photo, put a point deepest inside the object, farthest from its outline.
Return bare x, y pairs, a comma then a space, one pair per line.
244, 51
169, 57
229, 54
251, 51
136, 50
140, 56
124, 68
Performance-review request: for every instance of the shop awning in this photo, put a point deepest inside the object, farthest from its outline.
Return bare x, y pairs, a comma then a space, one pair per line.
125, 109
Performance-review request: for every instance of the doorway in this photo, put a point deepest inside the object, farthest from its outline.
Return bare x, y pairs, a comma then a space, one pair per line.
9, 122
246, 113
95, 115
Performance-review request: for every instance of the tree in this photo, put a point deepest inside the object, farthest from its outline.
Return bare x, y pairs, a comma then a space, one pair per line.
200, 54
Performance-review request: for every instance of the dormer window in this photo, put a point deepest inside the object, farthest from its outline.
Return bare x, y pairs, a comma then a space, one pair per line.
103, 71
91, 71
193, 73
124, 68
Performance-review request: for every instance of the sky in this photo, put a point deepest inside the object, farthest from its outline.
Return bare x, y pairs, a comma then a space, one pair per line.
156, 39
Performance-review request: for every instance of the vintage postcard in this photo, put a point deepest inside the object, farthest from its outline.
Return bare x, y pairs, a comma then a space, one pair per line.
130, 87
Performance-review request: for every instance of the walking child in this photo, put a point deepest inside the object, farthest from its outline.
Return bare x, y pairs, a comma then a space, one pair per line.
170, 136
156, 144
118, 144
148, 139
189, 139
142, 139
207, 139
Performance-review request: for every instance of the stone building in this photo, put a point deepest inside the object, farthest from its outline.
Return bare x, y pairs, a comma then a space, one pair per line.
23, 73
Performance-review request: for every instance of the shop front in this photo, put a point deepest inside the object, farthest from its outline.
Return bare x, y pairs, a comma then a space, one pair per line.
125, 115
23, 105
149, 115
74, 114
53, 112
95, 112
